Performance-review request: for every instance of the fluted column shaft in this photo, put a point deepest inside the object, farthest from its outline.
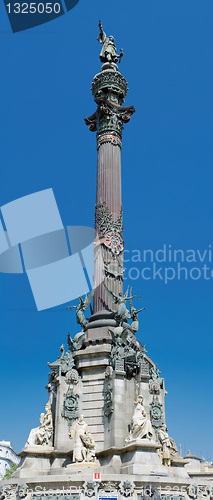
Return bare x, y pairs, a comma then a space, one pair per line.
109, 89
109, 193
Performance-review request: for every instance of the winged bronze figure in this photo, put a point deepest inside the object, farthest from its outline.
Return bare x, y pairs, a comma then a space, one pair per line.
82, 306
134, 315
122, 314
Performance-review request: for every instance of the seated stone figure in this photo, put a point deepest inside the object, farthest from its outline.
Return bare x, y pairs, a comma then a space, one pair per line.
140, 424
42, 435
169, 448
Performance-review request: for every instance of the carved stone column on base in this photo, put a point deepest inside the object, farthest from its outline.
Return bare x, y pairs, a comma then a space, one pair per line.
109, 89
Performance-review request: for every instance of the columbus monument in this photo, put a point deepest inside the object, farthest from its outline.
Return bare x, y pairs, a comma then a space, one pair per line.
103, 432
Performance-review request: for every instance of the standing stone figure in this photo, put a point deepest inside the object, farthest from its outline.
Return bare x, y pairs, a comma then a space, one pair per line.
169, 448
140, 424
42, 435
84, 445
108, 51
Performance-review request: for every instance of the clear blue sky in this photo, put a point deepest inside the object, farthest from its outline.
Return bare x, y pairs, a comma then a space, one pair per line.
167, 177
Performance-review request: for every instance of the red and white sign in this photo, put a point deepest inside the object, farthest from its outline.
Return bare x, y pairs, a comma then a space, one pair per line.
97, 477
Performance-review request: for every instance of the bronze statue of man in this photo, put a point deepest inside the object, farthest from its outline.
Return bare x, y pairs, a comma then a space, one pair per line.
108, 51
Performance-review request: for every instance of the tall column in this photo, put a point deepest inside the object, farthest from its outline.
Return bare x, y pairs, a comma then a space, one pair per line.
109, 89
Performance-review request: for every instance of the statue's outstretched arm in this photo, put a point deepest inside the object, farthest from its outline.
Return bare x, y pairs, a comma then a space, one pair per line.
102, 36
100, 26
133, 297
121, 55
137, 312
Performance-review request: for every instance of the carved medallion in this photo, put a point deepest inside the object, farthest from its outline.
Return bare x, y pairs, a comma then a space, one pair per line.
70, 407
154, 387
156, 414
113, 241
72, 377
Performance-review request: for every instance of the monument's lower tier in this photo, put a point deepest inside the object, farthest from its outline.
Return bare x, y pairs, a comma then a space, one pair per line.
134, 471
138, 457
77, 482
105, 415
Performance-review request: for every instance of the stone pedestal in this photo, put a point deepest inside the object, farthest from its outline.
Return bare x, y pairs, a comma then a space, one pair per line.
178, 467
35, 461
140, 457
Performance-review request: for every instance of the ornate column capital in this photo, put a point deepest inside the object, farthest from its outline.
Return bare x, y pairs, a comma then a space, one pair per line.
109, 89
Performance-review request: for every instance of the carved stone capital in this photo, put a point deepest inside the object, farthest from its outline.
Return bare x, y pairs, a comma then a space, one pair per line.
109, 117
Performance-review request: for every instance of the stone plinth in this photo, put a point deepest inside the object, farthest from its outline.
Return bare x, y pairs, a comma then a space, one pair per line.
35, 461
178, 466
140, 457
